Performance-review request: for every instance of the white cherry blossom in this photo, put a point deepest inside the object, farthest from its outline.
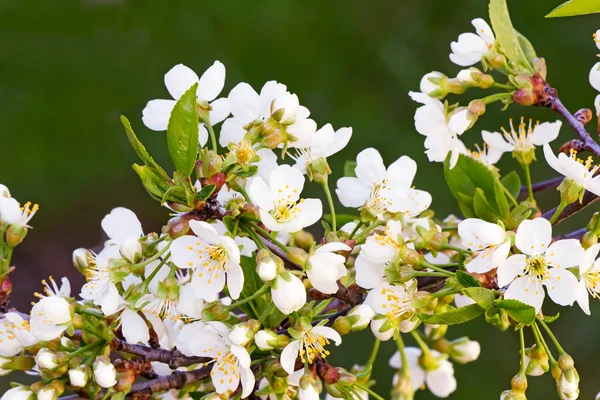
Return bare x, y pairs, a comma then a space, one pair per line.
595, 76
288, 293
524, 138
589, 278
178, 80
582, 172
325, 143
279, 202
487, 241
395, 302
15, 335
51, 315
11, 212
211, 258
311, 343
541, 264
470, 48
382, 190
104, 373
440, 381
325, 267
124, 228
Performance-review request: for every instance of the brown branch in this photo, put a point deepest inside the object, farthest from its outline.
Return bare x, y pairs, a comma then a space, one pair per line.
572, 209
577, 234
541, 186
174, 358
177, 380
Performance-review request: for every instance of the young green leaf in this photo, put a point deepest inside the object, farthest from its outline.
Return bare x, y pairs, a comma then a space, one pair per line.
526, 46
551, 318
454, 316
483, 209
467, 280
482, 296
205, 192
518, 311
575, 7
506, 35
141, 150
349, 167
512, 183
182, 132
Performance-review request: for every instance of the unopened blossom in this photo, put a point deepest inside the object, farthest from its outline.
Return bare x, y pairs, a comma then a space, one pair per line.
487, 241
325, 267
266, 340
180, 79
309, 345
124, 228
595, 76
279, 202
440, 381
52, 314
431, 84
288, 293
248, 106
231, 362
4, 192
104, 373
375, 255
540, 264
395, 302
470, 48
589, 278
11, 212
580, 171
431, 121
464, 350
211, 258
524, 138
380, 190
325, 143
46, 359
78, 377
360, 316
18, 393
291, 393
15, 335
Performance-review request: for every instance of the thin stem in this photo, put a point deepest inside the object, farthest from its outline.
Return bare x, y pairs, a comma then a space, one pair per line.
321, 306
528, 182
438, 269
495, 97
558, 210
457, 249
368, 229
258, 293
502, 86
86, 348
356, 228
420, 341
325, 186
266, 312
374, 352
522, 339
540, 337
138, 266
155, 272
402, 350
82, 310
245, 194
266, 235
211, 132
573, 208
445, 292
509, 195
255, 238
561, 351
371, 393
436, 274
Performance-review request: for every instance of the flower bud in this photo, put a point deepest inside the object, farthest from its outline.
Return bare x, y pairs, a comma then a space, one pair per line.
512, 395
78, 377
4, 192
46, 360
382, 329
461, 120
298, 255
288, 293
525, 97
433, 84
589, 239
266, 265
360, 316
15, 234
104, 372
519, 383
80, 259
19, 393
536, 361
242, 333
308, 390
212, 163
402, 387
178, 227
464, 350
594, 224
567, 382
131, 250
266, 340
570, 191
436, 332
539, 66
303, 239
342, 325
50, 392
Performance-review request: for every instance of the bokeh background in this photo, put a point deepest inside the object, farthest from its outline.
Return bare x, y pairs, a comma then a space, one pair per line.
69, 68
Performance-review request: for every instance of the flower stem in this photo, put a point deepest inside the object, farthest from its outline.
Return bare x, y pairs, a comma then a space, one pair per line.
371, 393
374, 353
368, 229
325, 186
561, 351
559, 210
153, 274
522, 339
264, 289
540, 339
139, 266
528, 182
495, 97
211, 132
438, 269
509, 195
321, 306
266, 312
356, 228
401, 349
259, 242
437, 274
420, 342
457, 249
86, 348
502, 86
266, 235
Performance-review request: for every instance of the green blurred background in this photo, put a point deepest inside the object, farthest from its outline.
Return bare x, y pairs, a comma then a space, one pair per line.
70, 68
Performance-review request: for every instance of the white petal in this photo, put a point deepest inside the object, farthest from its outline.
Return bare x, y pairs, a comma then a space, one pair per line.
202, 134
286, 183
459, 122
156, 114
496, 141
402, 172
582, 297
484, 31
242, 355
134, 327
235, 279
562, 286
311, 211
333, 246
269, 92
220, 110
565, 253
534, 236
211, 82
510, 269
351, 192
245, 103
303, 130
369, 275
205, 231
370, 169
122, 224
441, 382
260, 193
208, 285
329, 333
232, 131
589, 257
545, 133
595, 76
342, 137
477, 234
248, 380
524, 291
179, 79
289, 356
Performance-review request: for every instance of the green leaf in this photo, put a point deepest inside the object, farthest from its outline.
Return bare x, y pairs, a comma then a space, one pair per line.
526, 46
500, 197
467, 280
158, 187
205, 192
483, 209
482, 296
551, 318
252, 170
506, 35
182, 132
349, 167
141, 150
326, 226
341, 219
512, 183
518, 311
454, 316
575, 7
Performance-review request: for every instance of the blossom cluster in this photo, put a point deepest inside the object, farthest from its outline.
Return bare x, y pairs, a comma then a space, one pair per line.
235, 298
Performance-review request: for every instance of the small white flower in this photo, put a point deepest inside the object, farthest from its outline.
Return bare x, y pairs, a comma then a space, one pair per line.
78, 377
595, 76
47, 393
582, 172
241, 335
210, 257
178, 80
18, 393
541, 264
231, 362
589, 278
104, 373
471, 48
11, 212
51, 315
325, 267
325, 143
266, 269
288, 293
265, 340
439, 381
279, 202
311, 343
523, 139
431, 121
395, 302
464, 350
487, 241
46, 359
15, 335
123, 227
465, 76
382, 190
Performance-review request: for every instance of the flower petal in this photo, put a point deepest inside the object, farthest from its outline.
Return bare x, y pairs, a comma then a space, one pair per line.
220, 110
122, 224
510, 269
534, 236
245, 103
211, 82
562, 286
370, 169
289, 356
545, 133
582, 296
441, 382
134, 327
329, 333
352, 192
156, 114
529, 293
179, 79
565, 253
